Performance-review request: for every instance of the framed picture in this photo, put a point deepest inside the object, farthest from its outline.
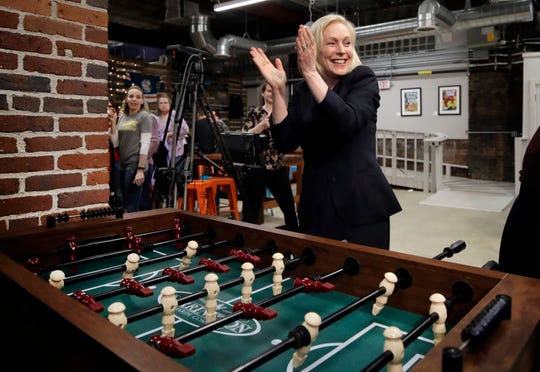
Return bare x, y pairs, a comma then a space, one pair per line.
411, 102
450, 100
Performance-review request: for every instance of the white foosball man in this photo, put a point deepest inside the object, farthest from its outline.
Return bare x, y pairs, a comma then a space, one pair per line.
212, 289
279, 266
117, 315
191, 250
438, 306
389, 283
394, 343
132, 265
249, 278
56, 278
312, 321
169, 303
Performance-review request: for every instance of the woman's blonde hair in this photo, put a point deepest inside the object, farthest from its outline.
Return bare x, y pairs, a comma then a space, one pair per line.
317, 29
125, 106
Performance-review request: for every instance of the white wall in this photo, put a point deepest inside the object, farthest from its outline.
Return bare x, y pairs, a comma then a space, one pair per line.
455, 126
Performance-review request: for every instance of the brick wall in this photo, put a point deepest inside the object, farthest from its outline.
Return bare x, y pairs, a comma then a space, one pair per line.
53, 98
495, 114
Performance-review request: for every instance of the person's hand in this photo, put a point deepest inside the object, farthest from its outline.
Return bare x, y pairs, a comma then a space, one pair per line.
139, 177
111, 114
263, 125
306, 50
274, 75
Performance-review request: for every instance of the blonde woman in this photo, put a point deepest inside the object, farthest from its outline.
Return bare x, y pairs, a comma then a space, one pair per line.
332, 115
132, 137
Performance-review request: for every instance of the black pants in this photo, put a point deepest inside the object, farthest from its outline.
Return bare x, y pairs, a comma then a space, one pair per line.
255, 182
519, 242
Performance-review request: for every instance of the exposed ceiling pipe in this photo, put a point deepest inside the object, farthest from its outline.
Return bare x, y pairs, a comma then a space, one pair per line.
201, 36
489, 15
226, 42
431, 15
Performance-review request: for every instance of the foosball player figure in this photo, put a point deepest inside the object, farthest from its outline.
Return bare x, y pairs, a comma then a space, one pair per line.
169, 303
312, 321
132, 265
56, 278
191, 250
249, 278
117, 315
389, 283
438, 306
279, 266
212, 289
394, 343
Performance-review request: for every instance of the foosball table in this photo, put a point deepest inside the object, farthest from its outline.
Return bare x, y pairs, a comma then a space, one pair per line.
172, 290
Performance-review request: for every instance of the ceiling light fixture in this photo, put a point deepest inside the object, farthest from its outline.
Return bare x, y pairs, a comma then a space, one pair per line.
234, 4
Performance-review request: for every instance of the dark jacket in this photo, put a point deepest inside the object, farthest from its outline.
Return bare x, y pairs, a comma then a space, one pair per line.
343, 184
204, 136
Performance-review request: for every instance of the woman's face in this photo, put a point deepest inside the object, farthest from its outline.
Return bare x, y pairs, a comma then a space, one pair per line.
164, 105
267, 95
335, 56
134, 100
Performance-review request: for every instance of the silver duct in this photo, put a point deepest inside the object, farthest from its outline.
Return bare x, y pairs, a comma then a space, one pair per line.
226, 42
431, 14
489, 15
201, 36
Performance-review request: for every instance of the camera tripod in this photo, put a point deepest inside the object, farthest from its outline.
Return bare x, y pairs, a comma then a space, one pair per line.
192, 91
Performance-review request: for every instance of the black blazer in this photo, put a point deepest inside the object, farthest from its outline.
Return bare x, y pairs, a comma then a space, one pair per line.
343, 184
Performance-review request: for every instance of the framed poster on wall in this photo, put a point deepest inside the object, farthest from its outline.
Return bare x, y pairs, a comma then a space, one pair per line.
450, 100
411, 102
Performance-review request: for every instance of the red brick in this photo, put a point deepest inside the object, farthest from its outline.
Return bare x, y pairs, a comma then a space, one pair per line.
8, 145
51, 26
96, 35
83, 161
53, 181
23, 123
43, 7
82, 88
25, 83
9, 186
26, 43
8, 61
90, 52
83, 198
23, 164
26, 103
97, 178
63, 106
52, 66
9, 19
97, 142
20, 224
25, 204
83, 124
82, 15
62, 143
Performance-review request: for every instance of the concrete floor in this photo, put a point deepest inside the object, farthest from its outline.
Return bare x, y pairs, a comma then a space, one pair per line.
425, 230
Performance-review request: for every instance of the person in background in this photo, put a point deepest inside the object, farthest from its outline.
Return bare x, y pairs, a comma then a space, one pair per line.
273, 175
332, 115
162, 115
223, 128
204, 136
519, 241
114, 164
132, 137
148, 185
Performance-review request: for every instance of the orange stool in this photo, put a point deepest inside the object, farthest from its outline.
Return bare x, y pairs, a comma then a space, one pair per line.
227, 185
204, 193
